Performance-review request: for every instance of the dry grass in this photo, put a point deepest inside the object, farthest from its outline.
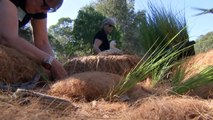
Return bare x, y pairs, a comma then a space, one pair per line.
86, 111
150, 108
172, 108
91, 78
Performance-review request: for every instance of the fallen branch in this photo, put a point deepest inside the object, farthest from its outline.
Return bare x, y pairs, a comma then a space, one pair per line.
50, 101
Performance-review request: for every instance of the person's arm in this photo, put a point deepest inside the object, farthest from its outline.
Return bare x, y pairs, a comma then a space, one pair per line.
40, 35
9, 37
96, 45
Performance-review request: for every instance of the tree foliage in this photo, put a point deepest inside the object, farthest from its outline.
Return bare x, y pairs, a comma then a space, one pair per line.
204, 43
85, 27
134, 30
126, 19
118, 9
61, 39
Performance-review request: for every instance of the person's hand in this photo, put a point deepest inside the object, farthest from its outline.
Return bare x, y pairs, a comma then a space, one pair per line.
57, 70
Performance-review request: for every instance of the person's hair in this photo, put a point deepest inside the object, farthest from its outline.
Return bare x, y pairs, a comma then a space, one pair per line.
59, 3
108, 21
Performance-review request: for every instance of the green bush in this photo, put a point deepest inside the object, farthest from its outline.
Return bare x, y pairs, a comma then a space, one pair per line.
204, 43
203, 46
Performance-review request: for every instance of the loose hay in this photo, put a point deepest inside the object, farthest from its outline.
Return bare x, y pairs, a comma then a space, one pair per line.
88, 85
171, 108
15, 67
118, 64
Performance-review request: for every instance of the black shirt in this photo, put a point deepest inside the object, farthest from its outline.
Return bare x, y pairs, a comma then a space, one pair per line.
23, 16
101, 35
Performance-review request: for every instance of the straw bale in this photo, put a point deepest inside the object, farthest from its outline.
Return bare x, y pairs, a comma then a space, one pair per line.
88, 85
171, 108
15, 67
196, 64
117, 64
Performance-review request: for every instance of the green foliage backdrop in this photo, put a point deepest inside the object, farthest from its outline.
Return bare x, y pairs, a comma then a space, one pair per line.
204, 43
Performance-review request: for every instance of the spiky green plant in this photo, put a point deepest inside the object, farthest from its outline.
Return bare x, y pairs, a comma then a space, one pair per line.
159, 27
203, 78
150, 62
178, 76
162, 35
162, 24
161, 72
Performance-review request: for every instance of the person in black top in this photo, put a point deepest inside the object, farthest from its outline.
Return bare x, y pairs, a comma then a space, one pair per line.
100, 41
17, 13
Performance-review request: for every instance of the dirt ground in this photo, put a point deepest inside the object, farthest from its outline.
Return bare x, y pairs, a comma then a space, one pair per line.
82, 95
